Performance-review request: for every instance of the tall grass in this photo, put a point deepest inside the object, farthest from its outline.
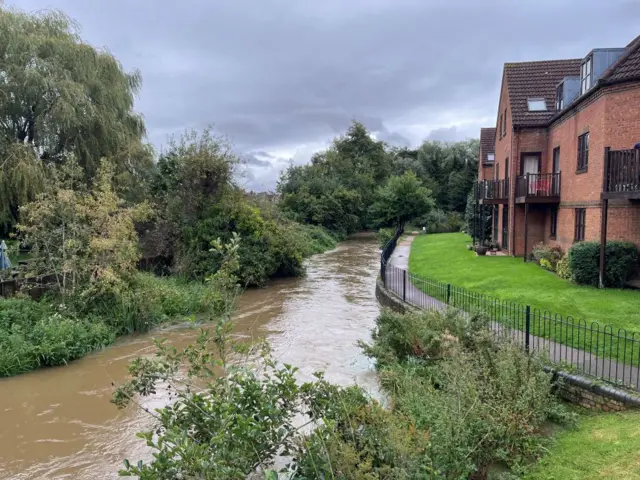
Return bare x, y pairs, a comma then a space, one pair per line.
48, 333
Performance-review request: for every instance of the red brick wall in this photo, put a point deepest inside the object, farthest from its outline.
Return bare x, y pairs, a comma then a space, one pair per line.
622, 124
583, 187
536, 231
503, 150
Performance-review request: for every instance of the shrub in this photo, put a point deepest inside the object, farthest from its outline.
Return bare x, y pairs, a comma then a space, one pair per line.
562, 267
551, 255
385, 235
446, 372
438, 221
621, 259
33, 334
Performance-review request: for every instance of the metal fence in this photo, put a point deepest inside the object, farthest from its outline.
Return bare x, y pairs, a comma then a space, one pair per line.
608, 353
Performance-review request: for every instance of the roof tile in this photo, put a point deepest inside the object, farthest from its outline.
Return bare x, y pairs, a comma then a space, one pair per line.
536, 80
628, 65
487, 142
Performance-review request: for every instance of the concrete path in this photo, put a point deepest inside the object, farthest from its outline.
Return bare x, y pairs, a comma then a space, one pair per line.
402, 285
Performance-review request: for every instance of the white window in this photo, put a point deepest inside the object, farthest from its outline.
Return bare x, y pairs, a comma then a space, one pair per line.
585, 75
537, 104
490, 157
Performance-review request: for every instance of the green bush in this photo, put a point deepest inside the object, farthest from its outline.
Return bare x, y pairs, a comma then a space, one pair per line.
550, 255
481, 400
385, 235
439, 221
33, 334
621, 260
562, 267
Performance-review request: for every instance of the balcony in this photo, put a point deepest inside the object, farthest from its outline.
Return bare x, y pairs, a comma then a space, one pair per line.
538, 188
493, 192
622, 174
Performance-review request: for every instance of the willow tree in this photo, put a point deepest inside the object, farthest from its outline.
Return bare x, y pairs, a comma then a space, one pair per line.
60, 97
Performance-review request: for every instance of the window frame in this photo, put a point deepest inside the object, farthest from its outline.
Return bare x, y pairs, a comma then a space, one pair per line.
580, 222
560, 97
555, 160
504, 120
553, 230
586, 79
582, 164
537, 99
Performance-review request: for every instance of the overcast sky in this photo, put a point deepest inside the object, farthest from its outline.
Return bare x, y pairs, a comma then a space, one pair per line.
280, 78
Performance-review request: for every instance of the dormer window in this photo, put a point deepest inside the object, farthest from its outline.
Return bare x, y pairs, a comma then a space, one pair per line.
586, 74
560, 97
537, 104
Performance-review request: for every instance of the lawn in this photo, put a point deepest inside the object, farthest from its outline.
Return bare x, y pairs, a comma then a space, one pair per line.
605, 446
444, 257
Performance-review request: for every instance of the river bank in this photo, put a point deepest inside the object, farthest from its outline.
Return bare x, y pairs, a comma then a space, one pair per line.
58, 422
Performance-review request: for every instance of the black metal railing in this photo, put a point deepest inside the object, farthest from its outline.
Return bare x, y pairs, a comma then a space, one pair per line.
622, 171
610, 354
387, 251
538, 185
493, 189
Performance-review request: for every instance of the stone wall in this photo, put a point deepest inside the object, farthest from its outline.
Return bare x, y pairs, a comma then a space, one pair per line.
592, 394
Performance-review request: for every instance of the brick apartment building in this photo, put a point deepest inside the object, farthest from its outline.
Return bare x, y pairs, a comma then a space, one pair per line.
561, 166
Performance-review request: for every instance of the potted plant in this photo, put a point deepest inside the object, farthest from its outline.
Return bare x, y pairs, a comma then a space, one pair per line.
481, 249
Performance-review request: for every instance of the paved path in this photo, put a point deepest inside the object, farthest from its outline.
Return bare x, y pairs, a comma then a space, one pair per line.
400, 284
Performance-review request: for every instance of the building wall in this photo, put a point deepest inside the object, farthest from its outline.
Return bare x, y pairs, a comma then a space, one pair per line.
579, 188
503, 153
612, 119
536, 231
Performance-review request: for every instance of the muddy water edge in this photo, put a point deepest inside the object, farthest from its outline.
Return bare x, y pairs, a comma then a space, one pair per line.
58, 423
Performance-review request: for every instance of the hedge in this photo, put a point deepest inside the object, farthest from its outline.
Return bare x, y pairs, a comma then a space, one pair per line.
621, 261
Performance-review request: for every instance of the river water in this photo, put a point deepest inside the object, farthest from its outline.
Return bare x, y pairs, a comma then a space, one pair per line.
58, 423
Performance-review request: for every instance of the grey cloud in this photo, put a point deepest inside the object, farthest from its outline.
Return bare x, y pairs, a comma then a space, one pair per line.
275, 74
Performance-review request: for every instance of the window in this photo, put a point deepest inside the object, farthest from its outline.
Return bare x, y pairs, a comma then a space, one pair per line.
490, 157
537, 104
583, 152
504, 116
556, 160
581, 214
560, 97
585, 75
554, 222
500, 126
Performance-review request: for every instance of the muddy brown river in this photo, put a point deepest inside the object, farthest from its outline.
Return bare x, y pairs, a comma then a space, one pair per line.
58, 423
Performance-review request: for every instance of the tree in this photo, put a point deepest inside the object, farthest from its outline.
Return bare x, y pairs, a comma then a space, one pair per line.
60, 98
402, 199
86, 238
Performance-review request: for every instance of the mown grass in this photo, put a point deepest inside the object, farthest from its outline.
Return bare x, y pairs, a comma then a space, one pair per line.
445, 258
605, 446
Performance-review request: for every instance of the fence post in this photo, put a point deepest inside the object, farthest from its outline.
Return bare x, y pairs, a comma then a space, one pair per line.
404, 285
448, 293
383, 273
527, 328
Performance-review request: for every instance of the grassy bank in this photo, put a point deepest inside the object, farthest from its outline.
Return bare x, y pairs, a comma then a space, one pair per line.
605, 446
35, 334
445, 258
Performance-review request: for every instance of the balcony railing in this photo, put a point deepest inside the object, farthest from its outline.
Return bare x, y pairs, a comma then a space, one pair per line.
493, 190
623, 171
538, 185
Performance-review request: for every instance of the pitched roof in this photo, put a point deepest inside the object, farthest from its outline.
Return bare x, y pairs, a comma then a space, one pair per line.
487, 142
527, 80
627, 67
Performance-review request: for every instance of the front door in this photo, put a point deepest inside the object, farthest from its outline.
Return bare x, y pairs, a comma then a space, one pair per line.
505, 227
